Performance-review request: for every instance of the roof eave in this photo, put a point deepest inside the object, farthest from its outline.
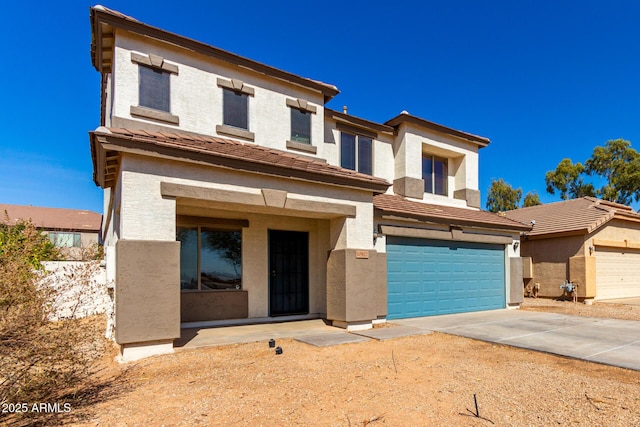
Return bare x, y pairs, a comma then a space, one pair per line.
110, 142
408, 118
455, 221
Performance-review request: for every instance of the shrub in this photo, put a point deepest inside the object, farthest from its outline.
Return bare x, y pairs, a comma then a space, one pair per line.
40, 360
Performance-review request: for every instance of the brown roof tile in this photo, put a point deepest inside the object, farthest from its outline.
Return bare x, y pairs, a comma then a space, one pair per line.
245, 156
444, 214
52, 218
582, 215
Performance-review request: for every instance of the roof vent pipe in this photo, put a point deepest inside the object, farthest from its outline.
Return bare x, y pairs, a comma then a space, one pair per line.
344, 109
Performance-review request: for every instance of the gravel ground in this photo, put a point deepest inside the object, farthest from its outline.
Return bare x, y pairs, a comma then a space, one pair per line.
427, 380
598, 309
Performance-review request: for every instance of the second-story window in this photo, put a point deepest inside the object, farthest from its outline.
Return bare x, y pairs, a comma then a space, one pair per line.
300, 126
435, 174
356, 152
235, 109
154, 89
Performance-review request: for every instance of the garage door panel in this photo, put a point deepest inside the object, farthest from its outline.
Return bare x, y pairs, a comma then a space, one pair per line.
617, 273
453, 277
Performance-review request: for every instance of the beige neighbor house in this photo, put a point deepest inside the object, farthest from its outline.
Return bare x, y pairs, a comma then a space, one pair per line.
587, 241
231, 195
74, 232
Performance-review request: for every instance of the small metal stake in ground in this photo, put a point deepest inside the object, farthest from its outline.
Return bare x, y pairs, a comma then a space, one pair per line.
477, 413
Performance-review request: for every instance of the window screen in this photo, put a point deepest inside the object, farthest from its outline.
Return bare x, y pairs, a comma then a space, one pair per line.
154, 89
235, 109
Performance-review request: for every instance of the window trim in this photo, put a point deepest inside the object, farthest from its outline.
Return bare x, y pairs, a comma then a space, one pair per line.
158, 63
357, 136
236, 86
305, 107
154, 61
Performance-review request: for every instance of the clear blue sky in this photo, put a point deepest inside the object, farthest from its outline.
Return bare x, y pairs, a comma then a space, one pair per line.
543, 80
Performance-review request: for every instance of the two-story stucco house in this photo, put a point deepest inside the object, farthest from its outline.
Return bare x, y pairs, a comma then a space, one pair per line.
232, 195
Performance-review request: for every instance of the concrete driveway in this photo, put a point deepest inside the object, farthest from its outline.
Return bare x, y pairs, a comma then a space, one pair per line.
609, 341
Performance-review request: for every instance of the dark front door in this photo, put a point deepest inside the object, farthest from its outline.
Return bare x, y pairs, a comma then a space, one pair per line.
288, 273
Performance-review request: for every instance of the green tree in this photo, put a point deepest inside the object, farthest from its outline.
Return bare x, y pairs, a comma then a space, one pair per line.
531, 199
502, 196
567, 180
619, 164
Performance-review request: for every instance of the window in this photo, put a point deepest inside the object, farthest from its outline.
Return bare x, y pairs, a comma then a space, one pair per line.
235, 109
300, 126
154, 89
435, 174
356, 153
65, 239
210, 259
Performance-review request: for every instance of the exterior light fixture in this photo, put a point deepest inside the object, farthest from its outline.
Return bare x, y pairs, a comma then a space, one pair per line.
515, 245
590, 250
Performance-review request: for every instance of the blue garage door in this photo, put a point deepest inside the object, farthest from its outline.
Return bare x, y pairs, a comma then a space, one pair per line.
430, 277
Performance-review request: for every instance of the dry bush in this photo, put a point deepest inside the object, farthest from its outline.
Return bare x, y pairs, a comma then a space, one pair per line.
41, 361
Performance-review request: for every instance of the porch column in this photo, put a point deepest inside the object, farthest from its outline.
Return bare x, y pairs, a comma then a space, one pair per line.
147, 297
147, 286
356, 273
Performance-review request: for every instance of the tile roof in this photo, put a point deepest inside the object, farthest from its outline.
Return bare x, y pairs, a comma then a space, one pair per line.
405, 117
444, 214
246, 156
582, 215
52, 218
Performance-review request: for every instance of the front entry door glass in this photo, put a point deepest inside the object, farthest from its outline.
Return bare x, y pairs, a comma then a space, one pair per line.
288, 273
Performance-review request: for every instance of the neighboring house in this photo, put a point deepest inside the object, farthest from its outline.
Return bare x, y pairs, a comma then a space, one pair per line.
74, 232
233, 195
590, 242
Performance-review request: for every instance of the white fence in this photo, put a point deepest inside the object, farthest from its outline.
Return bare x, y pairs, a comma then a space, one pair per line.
81, 288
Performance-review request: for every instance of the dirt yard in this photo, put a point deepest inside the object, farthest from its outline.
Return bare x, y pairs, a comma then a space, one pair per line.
427, 380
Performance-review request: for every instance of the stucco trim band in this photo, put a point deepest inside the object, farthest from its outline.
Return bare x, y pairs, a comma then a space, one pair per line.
150, 113
308, 148
453, 235
168, 189
616, 243
239, 133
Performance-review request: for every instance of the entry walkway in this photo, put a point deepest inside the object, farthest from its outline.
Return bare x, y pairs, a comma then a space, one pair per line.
207, 337
608, 341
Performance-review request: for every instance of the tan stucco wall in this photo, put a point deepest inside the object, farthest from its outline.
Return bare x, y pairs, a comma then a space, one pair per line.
582, 271
147, 294
551, 261
354, 284
568, 258
214, 305
617, 230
